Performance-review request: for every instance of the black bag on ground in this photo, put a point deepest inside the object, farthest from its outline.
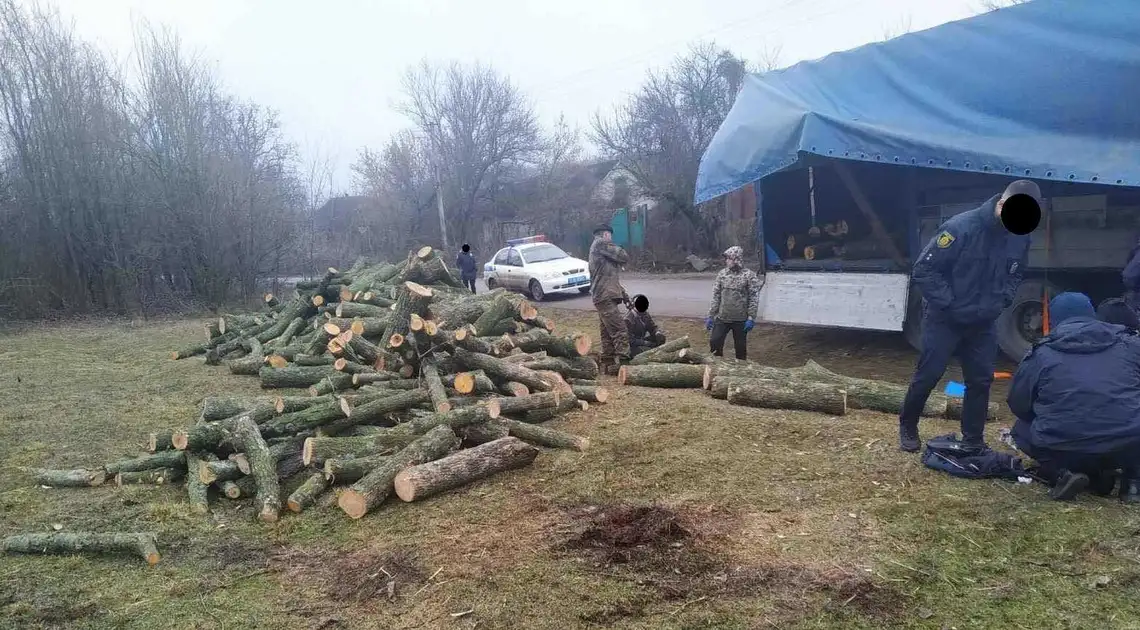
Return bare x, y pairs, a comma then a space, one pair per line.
947, 454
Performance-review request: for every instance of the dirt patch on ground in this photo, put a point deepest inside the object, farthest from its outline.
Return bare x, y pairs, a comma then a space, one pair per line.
356, 576
678, 556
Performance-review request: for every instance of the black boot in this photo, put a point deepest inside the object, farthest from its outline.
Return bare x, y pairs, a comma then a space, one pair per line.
1130, 490
1069, 486
1103, 483
908, 438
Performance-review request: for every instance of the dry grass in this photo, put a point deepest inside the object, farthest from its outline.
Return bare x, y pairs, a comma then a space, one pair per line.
715, 516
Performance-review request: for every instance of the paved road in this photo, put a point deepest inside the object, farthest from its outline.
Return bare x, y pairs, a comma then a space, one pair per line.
685, 296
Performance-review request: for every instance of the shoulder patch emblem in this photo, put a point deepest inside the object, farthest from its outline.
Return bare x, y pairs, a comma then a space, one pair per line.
945, 240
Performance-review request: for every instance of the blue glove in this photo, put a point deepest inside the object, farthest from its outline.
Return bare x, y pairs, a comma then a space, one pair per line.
748, 325
708, 323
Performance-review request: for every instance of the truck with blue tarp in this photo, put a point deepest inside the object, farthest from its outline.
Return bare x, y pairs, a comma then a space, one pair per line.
863, 154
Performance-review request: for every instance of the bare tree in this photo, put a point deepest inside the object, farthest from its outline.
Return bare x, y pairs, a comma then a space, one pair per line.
994, 5
400, 179
901, 27
769, 58
660, 133
480, 128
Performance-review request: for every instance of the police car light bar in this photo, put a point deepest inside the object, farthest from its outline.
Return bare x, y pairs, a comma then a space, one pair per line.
538, 238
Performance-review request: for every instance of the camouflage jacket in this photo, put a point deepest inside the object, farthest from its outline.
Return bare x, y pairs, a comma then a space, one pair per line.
640, 325
606, 260
736, 295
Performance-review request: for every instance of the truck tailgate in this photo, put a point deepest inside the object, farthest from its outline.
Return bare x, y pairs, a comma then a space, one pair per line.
869, 301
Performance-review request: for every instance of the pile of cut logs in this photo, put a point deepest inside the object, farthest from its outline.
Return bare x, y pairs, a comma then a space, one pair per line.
808, 388
415, 386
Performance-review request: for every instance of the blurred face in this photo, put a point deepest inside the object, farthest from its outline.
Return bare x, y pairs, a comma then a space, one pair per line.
606, 236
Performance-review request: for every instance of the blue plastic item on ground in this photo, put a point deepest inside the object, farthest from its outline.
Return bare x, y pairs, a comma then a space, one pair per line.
955, 389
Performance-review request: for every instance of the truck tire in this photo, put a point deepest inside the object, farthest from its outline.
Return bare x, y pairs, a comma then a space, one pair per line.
1020, 325
912, 326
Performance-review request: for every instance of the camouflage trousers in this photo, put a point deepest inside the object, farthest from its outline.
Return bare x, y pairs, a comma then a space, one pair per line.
615, 336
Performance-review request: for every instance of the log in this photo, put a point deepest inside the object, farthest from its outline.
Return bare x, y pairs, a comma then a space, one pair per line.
289, 404
306, 419
543, 436
68, 478
649, 356
525, 357
190, 351
63, 543
954, 409
498, 310
476, 434
819, 397
312, 360
374, 409
295, 377
250, 364
160, 441
264, 469
498, 368
470, 382
333, 384
206, 437
318, 450
298, 308
591, 394
356, 309
579, 367
364, 326
669, 375
221, 407
511, 388
431, 478
412, 299
874, 395
218, 471
307, 493
244, 486
344, 470
398, 436
346, 366
539, 339
821, 250
153, 477
434, 385
426, 267
197, 493
371, 490
521, 404
163, 459
588, 382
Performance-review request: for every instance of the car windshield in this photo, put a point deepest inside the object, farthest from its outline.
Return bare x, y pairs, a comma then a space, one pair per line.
543, 253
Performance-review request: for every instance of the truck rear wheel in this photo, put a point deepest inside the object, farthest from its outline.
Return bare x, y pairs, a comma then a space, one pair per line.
1022, 324
912, 326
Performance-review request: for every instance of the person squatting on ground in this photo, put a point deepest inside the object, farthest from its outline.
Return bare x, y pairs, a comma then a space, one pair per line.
968, 274
465, 261
736, 297
643, 331
606, 260
1076, 396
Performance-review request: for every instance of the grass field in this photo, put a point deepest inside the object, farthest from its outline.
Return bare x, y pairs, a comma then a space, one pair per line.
685, 513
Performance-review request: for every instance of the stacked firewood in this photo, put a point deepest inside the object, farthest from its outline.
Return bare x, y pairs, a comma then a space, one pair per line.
808, 388
414, 386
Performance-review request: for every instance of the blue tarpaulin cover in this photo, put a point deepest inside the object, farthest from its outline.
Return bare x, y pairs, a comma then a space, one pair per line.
1049, 89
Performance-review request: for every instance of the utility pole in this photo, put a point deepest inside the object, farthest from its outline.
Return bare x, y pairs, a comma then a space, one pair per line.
438, 159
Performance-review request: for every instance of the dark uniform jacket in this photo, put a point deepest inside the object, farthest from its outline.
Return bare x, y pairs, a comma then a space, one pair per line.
466, 263
606, 260
1079, 389
970, 271
640, 325
1131, 278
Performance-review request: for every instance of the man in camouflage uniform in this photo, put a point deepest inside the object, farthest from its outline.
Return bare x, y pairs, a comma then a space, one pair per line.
736, 297
606, 260
643, 331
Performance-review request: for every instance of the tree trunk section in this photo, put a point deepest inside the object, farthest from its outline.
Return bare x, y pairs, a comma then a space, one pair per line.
264, 469
543, 436
649, 356
371, 490
197, 493
424, 480
954, 409
434, 385
151, 477
68, 478
579, 367
352, 469
164, 459
308, 493
412, 299
64, 543
521, 404
818, 397
540, 340
498, 368
294, 377
668, 375
592, 394
873, 395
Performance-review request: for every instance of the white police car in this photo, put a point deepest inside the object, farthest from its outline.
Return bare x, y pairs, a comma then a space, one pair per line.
532, 265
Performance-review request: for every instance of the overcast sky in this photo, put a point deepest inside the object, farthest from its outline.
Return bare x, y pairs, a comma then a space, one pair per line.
333, 68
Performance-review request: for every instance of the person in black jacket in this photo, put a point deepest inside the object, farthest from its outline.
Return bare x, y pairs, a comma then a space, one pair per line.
968, 274
1076, 396
465, 261
1131, 278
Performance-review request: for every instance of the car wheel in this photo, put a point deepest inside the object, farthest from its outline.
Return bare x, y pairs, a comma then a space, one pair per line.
584, 290
1021, 325
491, 284
536, 292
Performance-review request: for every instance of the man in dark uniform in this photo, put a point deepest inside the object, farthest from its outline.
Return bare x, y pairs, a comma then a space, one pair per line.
606, 260
968, 274
465, 261
1076, 396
